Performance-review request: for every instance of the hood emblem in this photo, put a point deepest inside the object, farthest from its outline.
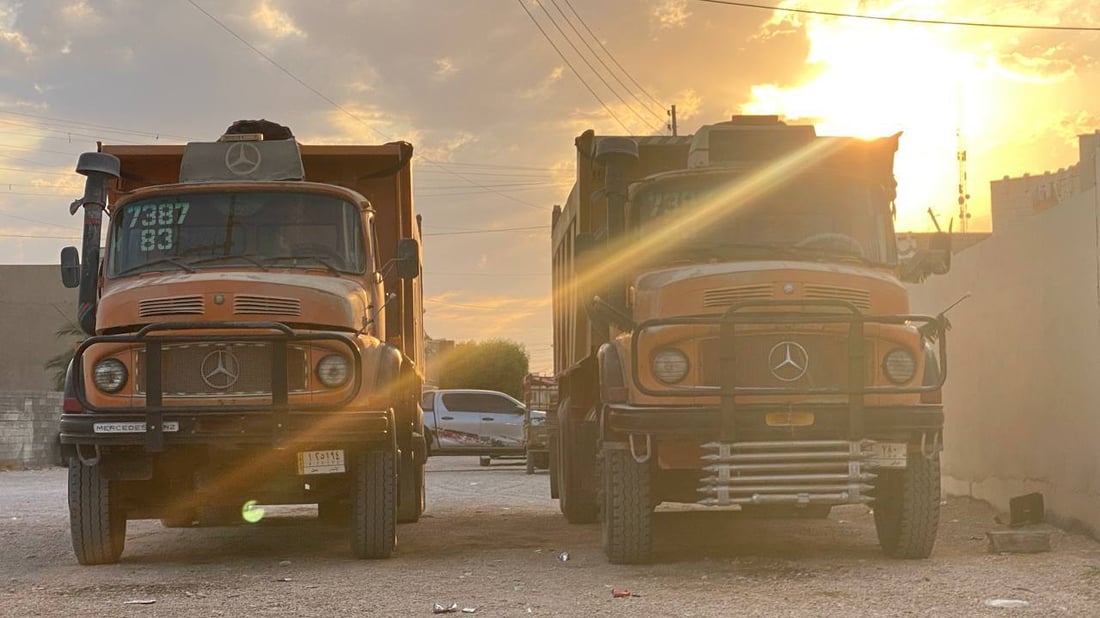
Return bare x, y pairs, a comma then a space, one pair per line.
788, 361
242, 158
220, 369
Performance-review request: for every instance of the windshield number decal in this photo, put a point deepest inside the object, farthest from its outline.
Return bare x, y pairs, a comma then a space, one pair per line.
158, 223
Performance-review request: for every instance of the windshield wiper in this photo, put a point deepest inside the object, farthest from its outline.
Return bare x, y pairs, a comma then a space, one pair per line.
172, 261
317, 258
252, 259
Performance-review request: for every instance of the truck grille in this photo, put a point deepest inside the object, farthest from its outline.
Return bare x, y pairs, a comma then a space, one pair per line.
859, 298
826, 361
266, 305
797, 472
174, 305
237, 369
724, 297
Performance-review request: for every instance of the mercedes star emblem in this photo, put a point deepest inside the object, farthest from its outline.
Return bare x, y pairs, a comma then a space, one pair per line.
242, 158
220, 369
788, 361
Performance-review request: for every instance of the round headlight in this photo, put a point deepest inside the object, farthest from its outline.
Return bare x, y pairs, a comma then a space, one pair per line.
332, 371
109, 375
899, 366
670, 365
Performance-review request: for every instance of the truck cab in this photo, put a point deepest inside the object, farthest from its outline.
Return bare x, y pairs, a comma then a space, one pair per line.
732, 328
253, 337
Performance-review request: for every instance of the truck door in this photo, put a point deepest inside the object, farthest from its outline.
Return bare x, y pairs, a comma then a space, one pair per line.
501, 420
459, 420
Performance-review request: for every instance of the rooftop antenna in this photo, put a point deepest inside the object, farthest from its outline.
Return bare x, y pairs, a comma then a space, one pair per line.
960, 156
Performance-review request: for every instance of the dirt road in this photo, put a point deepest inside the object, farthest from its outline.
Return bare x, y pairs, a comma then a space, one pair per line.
491, 540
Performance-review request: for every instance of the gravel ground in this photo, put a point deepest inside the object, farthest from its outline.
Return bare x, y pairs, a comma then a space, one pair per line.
491, 540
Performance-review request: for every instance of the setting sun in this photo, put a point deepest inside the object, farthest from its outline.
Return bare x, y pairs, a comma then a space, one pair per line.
871, 79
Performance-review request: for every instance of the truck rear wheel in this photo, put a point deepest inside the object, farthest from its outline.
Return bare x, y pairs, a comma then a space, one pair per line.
577, 499
907, 507
374, 505
410, 503
627, 526
96, 519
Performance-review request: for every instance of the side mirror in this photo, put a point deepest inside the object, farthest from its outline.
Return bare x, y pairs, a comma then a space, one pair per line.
70, 267
935, 259
939, 253
408, 258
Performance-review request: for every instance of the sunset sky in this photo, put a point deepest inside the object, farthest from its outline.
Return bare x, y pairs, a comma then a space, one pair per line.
492, 109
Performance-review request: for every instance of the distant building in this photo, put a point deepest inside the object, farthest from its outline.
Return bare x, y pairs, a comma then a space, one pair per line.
1014, 200
33, 307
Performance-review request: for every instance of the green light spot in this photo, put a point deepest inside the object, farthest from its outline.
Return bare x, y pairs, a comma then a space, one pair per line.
251, 513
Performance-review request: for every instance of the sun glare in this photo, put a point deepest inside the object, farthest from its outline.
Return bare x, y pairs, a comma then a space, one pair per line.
872, 79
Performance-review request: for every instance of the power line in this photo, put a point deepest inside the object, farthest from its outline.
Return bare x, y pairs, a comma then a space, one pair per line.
601, 60
341, 108
589, 64
571, 67
489, 230
907, 20
609, 55
91, 125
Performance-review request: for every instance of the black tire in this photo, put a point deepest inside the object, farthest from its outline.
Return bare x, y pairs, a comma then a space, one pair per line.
907, 508
542, 461
554, 459
374, 505
627, 522
410, 486
578, 500
96, 519
484, 462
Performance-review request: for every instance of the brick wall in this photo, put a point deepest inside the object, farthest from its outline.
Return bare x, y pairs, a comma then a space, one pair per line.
28, 428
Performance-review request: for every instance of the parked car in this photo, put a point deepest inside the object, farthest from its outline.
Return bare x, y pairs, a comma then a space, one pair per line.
473, 422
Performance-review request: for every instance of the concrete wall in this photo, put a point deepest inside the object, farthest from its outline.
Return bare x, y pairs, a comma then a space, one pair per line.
33, 305
28, 429
1023, 392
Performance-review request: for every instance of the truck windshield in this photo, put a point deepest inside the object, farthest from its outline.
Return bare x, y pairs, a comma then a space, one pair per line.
190, 231
825, 218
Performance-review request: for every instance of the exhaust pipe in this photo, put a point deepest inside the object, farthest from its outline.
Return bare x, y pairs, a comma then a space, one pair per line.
99, 168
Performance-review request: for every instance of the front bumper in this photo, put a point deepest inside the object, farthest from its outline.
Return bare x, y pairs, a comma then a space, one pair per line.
229, 428
830, 421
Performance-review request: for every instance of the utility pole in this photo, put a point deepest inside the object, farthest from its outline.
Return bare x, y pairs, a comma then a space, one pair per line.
672, 123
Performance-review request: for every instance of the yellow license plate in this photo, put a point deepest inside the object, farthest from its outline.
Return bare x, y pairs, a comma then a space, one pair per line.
789, 419
321, 462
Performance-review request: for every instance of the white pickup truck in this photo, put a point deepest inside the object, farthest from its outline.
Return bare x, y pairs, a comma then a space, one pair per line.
474, 422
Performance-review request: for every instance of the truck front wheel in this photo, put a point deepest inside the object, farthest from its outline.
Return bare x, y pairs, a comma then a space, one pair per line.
627, 525
374, 504
96, 519
907, 507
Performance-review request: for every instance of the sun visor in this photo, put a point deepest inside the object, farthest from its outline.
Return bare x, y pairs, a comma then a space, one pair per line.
241, 160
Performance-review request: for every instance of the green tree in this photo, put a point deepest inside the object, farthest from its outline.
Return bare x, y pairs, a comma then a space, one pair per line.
57, 364
496, 364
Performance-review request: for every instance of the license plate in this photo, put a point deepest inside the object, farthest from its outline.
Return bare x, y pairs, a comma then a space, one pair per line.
167, 427
321, 462
889, 454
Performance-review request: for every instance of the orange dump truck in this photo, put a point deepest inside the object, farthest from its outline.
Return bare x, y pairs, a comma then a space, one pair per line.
254, 337
732, 328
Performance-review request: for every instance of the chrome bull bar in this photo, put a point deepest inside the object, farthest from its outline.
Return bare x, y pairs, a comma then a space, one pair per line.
803, 472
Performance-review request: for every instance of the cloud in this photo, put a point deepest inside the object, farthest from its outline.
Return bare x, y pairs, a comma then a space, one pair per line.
669, 14
445, 68
275, 22
544, 87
